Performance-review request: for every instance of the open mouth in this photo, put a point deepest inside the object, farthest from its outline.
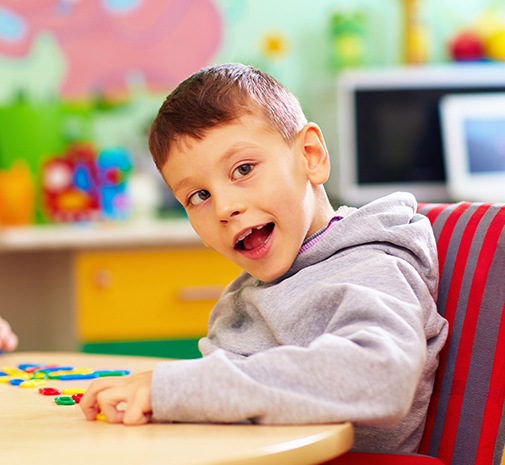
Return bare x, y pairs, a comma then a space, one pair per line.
254, 237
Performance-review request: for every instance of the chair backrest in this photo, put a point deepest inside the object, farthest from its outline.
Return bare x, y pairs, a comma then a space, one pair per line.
466, 418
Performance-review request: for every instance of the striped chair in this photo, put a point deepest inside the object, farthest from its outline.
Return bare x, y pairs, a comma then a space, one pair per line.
466, 418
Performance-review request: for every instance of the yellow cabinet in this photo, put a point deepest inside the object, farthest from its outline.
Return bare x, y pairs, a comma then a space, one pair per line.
147, 294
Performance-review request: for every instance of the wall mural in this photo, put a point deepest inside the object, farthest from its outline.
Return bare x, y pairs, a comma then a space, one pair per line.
106, 43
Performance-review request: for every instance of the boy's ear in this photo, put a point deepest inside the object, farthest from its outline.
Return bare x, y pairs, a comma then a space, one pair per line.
315, 153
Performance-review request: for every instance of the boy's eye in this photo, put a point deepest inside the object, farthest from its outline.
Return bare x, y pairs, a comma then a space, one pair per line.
242, 170
199, 197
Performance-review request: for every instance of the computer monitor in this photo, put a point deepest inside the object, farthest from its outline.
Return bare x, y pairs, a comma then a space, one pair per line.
474, 145
389, 130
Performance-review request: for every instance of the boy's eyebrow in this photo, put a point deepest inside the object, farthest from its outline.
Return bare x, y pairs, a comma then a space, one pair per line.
180, 185
237, 147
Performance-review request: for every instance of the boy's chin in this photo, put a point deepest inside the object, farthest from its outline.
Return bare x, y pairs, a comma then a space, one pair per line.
267, 276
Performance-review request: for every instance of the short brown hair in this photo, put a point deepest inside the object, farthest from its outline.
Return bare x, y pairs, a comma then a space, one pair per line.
218, 95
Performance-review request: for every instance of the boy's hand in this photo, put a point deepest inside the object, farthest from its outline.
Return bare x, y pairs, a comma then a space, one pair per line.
8, 340
122, 400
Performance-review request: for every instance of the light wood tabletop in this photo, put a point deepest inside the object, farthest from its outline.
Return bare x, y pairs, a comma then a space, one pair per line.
34, 429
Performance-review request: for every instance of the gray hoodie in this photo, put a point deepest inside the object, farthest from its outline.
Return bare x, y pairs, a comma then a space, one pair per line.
350, 333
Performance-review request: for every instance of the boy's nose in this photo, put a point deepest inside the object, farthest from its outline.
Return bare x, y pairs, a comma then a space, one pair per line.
229, 209
234, 213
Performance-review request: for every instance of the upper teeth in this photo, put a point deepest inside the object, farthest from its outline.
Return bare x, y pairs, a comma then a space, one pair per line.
246, 233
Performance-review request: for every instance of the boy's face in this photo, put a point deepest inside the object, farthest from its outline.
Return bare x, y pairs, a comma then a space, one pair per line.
248, 194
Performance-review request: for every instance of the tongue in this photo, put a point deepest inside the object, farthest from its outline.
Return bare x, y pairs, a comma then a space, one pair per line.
256, 238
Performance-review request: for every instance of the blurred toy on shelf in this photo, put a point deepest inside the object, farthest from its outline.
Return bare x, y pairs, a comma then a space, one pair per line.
114, 167
17, 195
70, 187
416, 35
83, 185
467, 46
495, 46
347, 35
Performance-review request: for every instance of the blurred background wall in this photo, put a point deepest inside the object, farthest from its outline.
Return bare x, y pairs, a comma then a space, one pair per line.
81, 80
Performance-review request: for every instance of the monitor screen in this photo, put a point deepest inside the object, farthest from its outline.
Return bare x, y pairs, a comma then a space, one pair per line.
485, 142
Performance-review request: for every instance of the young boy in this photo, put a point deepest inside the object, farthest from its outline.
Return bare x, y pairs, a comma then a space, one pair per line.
8, 340
334, 316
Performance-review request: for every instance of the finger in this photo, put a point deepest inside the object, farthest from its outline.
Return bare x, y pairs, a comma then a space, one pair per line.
138, 410
11, 342
89, 403
111, 403
110, 410
89, 407
90, 410
8, 340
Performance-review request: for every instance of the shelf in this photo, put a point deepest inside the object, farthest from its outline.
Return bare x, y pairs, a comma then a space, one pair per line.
171, 232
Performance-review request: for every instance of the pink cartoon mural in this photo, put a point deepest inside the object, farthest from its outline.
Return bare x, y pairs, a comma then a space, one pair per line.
106, 43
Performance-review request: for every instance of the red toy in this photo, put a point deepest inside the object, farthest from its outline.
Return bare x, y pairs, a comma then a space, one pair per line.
467, 46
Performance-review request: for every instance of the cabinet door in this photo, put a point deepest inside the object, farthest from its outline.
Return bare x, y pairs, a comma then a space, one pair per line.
148, 294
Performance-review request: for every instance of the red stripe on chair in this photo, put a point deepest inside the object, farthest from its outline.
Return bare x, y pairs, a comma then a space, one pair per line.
468, 332
496, 397
433, 210
442, 245
494, 405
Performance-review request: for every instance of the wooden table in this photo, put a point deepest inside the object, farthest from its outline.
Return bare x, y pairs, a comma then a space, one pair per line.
33, 429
